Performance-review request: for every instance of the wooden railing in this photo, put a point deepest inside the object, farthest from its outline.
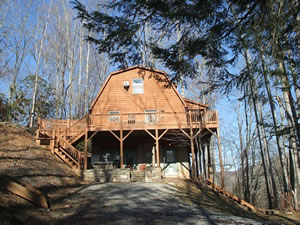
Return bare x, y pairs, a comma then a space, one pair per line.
132, 120
155, 119
71, 152
76, 129
55, 124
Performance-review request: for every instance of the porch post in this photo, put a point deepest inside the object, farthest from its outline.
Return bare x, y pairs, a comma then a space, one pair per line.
121, 143
197, 163
220, 157
209, 168
193, 155
192, 147
37, 134
85, 148
153, 156
157, 147
121, 149
204, 160
53, 141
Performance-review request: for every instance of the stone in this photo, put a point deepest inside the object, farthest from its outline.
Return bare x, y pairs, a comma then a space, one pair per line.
153, 174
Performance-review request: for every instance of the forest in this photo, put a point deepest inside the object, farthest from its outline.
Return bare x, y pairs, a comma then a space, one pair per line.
55, 55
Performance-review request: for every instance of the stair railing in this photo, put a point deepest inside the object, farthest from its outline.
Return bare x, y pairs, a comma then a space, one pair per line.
74, 154
79, 126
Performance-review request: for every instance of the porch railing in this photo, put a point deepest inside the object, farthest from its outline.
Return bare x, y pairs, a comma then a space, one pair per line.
134, 120
153, 119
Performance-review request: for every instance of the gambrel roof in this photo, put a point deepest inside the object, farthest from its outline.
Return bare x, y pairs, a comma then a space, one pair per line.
119, 72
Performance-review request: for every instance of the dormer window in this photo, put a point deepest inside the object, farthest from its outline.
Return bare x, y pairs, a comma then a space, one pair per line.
137, 86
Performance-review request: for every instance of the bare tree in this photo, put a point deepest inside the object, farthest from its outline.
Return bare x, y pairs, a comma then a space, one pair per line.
38, 68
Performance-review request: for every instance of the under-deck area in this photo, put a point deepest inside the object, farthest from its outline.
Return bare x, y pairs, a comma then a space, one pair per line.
139, 151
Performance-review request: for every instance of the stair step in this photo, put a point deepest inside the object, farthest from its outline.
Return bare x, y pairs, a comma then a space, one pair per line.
64, 158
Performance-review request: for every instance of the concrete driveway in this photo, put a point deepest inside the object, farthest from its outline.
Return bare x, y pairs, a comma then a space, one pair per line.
137, 203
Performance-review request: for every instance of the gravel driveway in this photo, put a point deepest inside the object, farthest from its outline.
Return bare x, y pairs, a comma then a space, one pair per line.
137, 203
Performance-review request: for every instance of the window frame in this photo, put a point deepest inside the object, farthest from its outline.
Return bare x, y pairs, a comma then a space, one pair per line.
114, 116
137, 86
150, 116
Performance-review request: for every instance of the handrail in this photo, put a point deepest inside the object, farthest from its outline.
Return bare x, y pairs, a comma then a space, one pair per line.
134, 120
69, 156
68, 129
77, 152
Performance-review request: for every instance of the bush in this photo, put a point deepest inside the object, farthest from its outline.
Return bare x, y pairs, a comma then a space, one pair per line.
4, 108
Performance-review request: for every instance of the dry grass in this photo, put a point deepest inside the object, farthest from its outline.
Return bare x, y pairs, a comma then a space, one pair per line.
22, 160
207, 199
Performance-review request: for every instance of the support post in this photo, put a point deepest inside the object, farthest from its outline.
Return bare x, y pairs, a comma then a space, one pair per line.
153, 156
52, 146
37, 134
65, 135
192, 147
197, 163
157, 147
79, 161
85, 148
204, 160
121, 143
121, 150
220, 157
209, 168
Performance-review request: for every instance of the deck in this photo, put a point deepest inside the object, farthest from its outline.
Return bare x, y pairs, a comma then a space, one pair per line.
134, 121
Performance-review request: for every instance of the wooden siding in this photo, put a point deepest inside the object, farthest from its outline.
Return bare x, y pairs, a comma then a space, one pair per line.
158, 94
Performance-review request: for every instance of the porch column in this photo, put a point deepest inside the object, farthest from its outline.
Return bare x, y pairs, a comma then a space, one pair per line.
153, 156
209, 168
220, 158
121, 142
121, 149
52, 142
203, 147
37, 134
193, 155
197, 162
157, 147
85, 148
192, 146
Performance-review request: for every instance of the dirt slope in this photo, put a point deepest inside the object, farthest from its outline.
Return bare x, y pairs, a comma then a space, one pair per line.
22, 160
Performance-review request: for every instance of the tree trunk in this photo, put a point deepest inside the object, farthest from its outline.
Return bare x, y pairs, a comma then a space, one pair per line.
79, 101
86, 91
36, 80
254, 97
272, 107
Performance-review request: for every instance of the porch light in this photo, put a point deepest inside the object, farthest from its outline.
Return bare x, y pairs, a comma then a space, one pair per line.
126, 85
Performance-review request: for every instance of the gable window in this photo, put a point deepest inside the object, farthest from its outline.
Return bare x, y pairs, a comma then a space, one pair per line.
114, 116
137, 86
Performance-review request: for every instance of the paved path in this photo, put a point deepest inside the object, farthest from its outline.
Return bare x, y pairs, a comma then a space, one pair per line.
137, 203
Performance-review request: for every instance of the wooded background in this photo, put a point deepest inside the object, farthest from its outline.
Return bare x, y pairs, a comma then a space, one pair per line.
245, 52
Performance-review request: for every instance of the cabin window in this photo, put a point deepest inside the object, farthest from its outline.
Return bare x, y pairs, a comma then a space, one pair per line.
131, 118
114, 116
137, 86
150, 116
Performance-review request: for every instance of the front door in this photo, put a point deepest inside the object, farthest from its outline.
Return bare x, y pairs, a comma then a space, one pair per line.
170, 167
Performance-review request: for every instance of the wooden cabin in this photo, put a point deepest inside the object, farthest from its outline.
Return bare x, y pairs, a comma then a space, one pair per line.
138, 119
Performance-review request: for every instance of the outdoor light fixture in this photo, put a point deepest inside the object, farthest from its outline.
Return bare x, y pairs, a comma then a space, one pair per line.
126, 85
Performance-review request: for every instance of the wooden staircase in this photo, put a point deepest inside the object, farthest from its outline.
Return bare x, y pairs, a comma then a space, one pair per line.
60, 141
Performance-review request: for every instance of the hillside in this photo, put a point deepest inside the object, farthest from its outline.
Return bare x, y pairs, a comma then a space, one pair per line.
23, 161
